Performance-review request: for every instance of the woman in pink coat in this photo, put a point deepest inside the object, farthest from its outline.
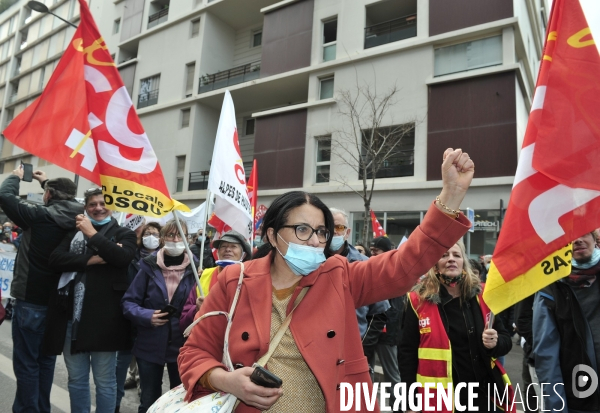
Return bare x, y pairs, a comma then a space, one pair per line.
321, 348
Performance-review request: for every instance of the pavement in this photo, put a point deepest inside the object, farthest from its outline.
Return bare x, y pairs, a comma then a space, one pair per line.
60, 394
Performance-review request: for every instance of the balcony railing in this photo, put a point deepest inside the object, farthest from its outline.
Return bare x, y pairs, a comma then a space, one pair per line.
147, 99
158, 18
401, 164
229, 77
198, 181
12, 97
391, 31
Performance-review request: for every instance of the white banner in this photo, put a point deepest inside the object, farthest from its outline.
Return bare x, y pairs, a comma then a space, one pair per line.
227, 178
7, 265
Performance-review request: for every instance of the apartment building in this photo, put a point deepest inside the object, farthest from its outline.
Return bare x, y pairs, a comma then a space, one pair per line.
465, 72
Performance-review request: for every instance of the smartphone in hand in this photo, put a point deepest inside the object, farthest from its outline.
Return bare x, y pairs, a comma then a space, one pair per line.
27, 171
168, 309
265, 378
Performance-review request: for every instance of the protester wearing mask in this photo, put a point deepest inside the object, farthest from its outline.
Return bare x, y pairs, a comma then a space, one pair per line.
147, 243
231, 247
371, 318
85, 321
566, 333
320, 347
165, 279
208, 261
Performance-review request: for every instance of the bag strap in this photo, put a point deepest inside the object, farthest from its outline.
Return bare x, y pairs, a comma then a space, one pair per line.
282, 329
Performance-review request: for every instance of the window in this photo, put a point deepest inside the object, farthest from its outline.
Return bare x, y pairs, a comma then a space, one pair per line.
185, 118
323, 158
116, 26
257, 38
148, 94
113, 56
468, 56
190, 70
249, 126
40, 85
180, 173
194, 28
329, 39
326, 88
397, 144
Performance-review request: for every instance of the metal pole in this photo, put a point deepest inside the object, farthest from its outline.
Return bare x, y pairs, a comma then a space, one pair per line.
76, 181
66, 21
468, 244
204, 219
189, 252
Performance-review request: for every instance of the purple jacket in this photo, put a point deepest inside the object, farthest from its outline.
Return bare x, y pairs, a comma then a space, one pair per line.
147, 293
189, 310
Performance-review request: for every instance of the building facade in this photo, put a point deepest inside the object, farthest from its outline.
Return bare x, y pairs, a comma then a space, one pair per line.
464, 71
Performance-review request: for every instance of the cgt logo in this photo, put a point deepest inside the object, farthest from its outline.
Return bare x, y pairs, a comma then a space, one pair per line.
585, 381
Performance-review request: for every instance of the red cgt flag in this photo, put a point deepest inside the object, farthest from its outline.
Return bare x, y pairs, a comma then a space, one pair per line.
378, 230
556, 193
85, 122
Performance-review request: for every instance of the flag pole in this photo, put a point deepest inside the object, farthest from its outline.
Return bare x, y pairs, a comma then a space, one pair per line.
189, 252
204, 219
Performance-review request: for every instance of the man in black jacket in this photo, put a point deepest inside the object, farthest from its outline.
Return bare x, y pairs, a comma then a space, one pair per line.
44, 226
86, 322
208, 261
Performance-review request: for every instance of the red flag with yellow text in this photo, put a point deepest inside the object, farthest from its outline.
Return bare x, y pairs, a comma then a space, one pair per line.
556, 193
85, 122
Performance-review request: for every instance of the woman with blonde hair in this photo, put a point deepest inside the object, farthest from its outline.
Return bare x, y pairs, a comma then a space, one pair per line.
447, 324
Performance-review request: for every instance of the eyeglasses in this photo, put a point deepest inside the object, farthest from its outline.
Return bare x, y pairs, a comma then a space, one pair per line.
340, 228
172, 237
305, 232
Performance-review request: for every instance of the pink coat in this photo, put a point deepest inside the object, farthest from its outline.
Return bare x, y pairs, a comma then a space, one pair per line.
324, 325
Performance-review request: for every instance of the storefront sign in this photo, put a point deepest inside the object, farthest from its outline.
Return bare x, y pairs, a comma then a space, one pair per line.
487, 226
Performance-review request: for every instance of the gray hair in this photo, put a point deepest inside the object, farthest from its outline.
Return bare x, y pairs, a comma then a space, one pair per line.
341, 212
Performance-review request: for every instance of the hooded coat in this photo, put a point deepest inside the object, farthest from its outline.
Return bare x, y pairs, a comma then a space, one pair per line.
44, 227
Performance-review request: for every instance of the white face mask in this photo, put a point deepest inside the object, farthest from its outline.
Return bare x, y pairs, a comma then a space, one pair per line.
150, 242
174, 249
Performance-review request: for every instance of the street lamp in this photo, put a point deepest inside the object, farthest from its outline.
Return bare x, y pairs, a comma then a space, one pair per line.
42, 8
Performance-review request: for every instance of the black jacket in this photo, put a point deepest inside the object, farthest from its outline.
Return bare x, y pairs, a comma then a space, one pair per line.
44, 226
208, 261
524, 322
572, 328
479, 365
103, 326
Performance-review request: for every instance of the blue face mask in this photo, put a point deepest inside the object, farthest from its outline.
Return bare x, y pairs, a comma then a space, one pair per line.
103, 222
337, 242
302, 259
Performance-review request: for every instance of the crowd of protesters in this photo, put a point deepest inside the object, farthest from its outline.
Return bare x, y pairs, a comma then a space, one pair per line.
115, 303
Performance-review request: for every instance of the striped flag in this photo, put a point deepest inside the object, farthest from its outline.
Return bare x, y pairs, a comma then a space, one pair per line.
556, 192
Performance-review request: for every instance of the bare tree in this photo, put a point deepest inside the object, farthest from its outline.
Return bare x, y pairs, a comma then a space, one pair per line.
365, 143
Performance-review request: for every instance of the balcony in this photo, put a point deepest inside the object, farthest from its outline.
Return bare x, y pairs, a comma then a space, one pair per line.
158, 18
391, 31
147, 99
229, 77
13, 97
198, 180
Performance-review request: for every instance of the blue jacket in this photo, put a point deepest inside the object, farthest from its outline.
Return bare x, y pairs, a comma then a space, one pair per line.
146, 294
548, 339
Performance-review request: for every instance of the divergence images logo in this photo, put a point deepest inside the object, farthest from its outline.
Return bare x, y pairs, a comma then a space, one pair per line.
585, 381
